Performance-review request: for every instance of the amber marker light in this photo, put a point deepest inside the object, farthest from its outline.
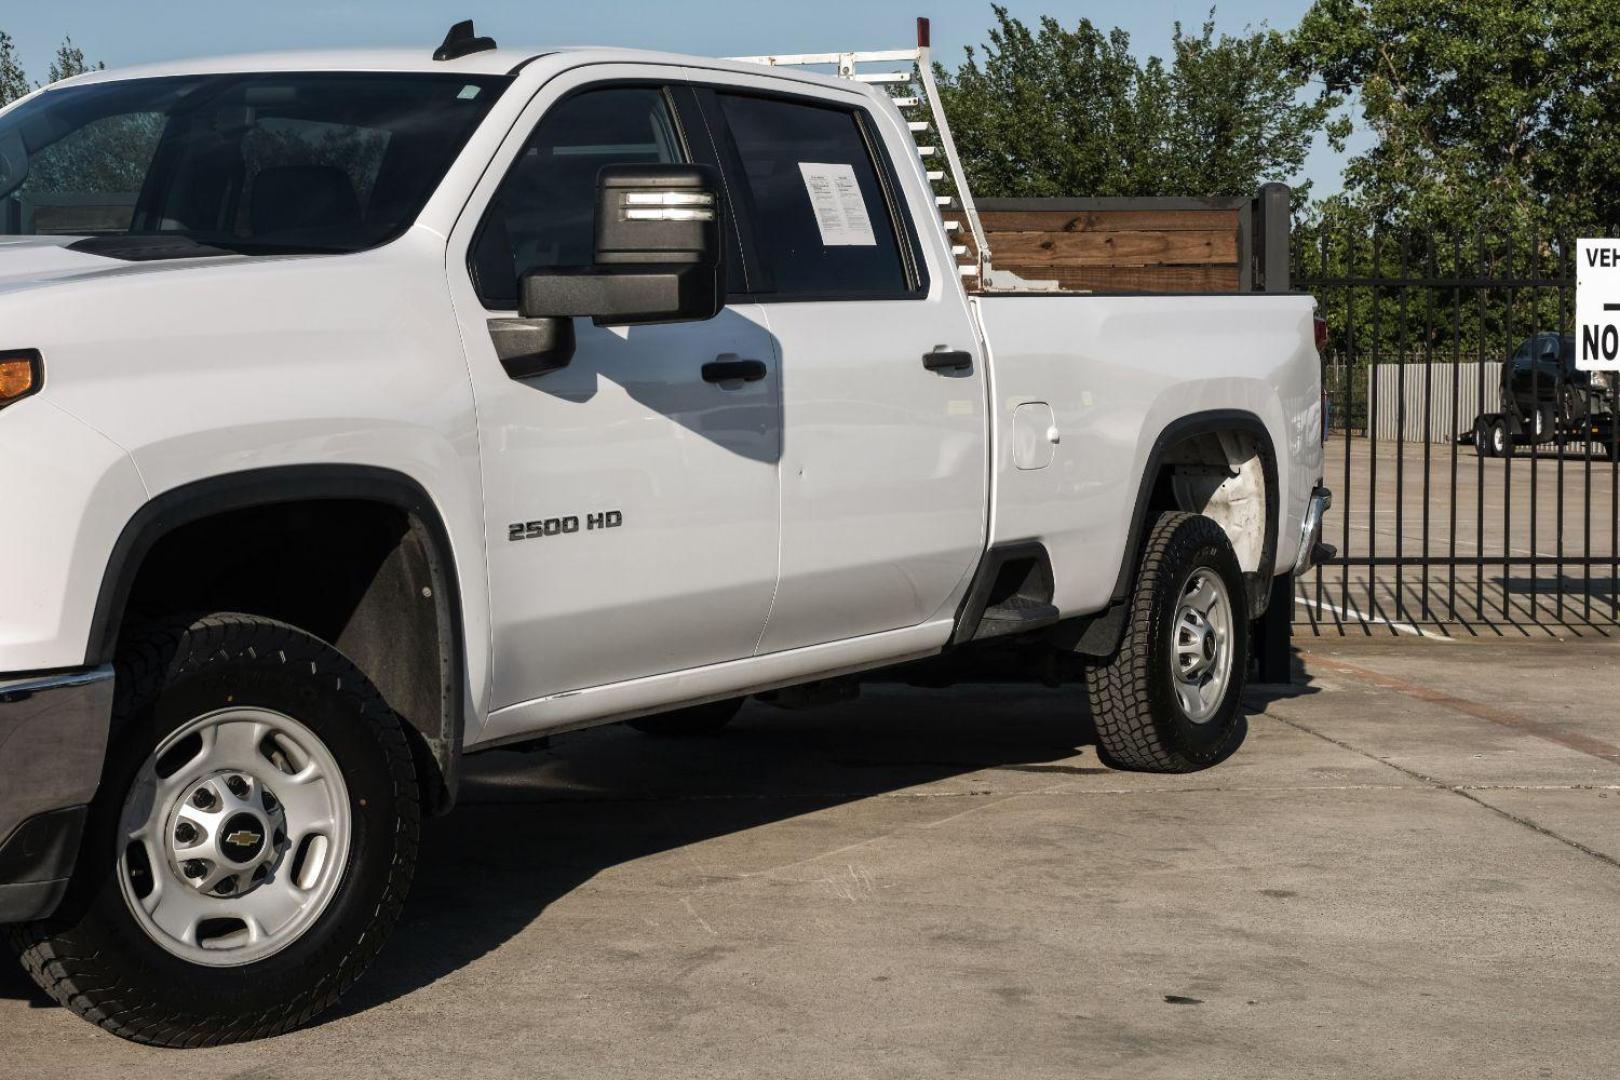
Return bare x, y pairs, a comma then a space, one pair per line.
20, 375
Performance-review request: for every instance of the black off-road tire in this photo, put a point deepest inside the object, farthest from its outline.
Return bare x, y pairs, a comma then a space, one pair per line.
94, 958
709, 719
1141, 725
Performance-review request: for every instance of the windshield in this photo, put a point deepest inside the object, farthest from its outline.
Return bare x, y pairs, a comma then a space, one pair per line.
250, 163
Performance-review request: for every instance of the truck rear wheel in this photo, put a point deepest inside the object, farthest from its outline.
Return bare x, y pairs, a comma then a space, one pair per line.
1167, 700
251, 845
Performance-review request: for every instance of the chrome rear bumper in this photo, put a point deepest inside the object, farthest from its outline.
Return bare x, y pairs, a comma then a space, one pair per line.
1310, 531
53, 743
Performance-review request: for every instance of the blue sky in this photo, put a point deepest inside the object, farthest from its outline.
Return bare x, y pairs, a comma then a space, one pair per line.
122, 32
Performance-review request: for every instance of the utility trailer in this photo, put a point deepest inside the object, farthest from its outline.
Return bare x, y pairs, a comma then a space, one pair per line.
1548, 400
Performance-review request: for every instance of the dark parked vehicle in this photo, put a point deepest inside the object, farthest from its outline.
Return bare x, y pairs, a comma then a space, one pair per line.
1546, 398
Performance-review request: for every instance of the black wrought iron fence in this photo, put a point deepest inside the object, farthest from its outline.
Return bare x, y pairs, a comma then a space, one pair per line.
1474, 468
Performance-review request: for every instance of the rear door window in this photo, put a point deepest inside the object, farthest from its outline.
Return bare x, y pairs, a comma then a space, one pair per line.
822, 207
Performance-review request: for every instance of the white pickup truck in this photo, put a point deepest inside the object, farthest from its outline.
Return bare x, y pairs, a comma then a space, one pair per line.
362, 410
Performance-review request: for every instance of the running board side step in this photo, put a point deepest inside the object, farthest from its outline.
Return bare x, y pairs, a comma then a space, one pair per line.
1011, 594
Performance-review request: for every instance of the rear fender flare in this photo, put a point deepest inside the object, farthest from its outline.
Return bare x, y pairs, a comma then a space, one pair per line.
1204, 423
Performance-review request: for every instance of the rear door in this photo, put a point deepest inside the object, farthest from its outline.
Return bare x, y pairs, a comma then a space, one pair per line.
884, 466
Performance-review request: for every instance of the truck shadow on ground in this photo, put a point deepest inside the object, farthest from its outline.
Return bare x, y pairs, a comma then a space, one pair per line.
532, 827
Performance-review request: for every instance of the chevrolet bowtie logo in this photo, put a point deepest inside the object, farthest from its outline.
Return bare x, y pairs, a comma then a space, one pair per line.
243, 838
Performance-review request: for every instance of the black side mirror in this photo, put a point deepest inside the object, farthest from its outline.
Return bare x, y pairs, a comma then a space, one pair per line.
657, 259
657, 252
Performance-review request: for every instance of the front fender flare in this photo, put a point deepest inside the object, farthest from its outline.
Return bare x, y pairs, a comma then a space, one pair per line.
205, 498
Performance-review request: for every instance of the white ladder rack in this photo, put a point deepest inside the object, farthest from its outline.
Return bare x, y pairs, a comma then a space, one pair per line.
911, 89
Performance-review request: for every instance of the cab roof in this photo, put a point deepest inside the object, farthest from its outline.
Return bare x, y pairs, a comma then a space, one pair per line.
498, 61
487, 62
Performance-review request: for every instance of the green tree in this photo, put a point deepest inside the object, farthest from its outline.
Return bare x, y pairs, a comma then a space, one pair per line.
69, 62
1502, 111
1053, 112
13, 82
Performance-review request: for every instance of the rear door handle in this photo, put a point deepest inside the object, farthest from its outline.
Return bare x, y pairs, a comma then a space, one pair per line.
948, 360
727, 368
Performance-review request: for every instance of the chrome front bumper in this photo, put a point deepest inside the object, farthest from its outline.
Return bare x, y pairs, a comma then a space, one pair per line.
53, 742
1310, 530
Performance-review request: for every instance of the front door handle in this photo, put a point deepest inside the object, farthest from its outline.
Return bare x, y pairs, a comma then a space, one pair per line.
728, 368
948, 360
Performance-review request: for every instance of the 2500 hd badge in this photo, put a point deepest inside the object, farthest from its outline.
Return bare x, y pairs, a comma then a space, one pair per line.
533, 530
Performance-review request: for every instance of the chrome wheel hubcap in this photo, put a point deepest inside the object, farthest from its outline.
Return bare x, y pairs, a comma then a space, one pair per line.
1201, 645
233, 837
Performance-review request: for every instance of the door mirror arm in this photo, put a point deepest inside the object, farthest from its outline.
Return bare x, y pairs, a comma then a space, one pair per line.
528, 347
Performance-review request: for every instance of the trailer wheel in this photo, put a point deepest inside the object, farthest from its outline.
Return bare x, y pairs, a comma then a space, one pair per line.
1547, 423
1167, 701
1501, 438
251, 845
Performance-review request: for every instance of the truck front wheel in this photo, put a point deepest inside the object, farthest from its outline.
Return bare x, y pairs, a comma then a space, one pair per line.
251, 845
1167, 700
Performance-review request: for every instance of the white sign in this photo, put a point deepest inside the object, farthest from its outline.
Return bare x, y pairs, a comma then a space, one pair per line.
1597, 305
840, 210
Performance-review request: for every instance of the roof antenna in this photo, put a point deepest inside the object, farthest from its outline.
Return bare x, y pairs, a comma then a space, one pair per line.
460, 41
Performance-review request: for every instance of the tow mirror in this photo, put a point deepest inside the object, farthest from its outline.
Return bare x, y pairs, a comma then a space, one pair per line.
657, 259
657, 252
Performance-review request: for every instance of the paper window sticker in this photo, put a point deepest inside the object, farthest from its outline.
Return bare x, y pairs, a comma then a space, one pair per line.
840, 208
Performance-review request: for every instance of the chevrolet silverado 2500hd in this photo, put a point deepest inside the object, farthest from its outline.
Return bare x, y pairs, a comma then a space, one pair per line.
359, 411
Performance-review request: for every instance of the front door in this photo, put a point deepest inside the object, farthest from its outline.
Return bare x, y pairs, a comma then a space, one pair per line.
630, 505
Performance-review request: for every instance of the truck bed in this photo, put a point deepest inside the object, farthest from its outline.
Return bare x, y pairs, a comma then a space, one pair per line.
1117, 372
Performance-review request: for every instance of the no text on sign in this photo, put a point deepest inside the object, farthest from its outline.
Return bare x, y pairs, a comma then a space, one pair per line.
1597, 305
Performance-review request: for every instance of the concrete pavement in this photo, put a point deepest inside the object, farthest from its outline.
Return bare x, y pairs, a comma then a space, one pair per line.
1411, 869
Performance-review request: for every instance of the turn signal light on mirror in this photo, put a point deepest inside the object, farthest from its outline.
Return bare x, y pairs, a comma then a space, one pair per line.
668, 206
21, 374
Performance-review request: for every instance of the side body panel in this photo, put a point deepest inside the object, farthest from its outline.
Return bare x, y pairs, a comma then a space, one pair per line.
881, 543
1117, 371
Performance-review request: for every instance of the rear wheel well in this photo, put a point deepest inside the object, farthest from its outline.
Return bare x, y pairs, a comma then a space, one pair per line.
1220, 475
357, 573
1227, 473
